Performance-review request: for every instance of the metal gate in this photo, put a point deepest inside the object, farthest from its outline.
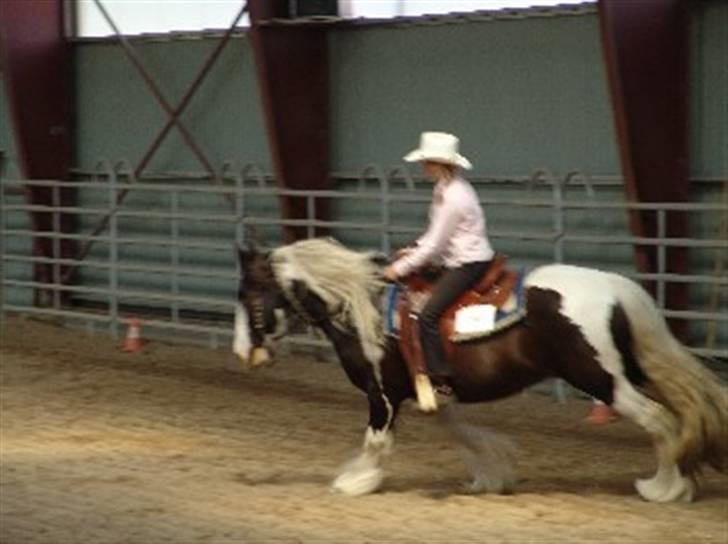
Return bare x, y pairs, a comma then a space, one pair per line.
166, 252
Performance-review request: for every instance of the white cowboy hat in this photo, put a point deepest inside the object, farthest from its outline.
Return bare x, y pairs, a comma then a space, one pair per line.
438, 147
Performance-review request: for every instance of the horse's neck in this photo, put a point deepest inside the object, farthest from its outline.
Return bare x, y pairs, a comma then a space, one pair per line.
349, 351
341, 339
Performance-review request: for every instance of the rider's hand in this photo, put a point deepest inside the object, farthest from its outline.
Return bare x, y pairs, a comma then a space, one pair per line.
389, 274
402, 252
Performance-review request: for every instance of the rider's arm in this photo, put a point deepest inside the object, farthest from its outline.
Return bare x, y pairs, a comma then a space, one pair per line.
444, 220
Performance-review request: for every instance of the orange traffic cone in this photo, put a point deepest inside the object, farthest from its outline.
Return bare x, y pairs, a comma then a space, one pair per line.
601, 414
133, 341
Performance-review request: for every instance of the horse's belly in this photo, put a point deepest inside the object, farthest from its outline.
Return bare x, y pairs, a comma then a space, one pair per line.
493, 368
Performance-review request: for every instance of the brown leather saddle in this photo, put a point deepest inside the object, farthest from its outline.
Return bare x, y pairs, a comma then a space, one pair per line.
494, 288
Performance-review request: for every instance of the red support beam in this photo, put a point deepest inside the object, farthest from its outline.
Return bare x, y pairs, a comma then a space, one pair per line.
645, 47
37, 77
293, 80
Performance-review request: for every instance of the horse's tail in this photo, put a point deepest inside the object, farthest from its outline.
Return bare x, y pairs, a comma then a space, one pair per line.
686, 386
698, 400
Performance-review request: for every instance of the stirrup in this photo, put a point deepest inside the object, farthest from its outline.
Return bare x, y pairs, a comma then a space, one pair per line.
426, 400
444, 390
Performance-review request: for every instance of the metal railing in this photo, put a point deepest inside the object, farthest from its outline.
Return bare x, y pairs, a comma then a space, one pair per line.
182, 294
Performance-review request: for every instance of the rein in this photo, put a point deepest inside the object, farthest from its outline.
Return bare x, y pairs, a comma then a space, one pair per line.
302, 312
299, 309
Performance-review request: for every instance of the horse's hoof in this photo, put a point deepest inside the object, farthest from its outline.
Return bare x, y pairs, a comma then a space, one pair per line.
679, 490
474, 487
648, 490
478, 486
358, 483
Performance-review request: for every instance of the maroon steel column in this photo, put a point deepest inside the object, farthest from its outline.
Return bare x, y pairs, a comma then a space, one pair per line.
292, 67
37, 77
646, 53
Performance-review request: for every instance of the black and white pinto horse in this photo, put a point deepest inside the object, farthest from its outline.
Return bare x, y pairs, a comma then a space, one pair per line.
599, 331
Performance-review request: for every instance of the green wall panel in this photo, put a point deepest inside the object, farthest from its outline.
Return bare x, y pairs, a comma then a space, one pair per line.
13, 245
709, 90
7, 143
117, 116
521, 94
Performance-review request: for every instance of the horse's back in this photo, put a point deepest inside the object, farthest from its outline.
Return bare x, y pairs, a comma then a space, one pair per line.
588, 293
570, 278
607, 308
574, 291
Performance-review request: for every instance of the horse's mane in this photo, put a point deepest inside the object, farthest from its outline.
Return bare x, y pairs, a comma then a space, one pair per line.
348, 282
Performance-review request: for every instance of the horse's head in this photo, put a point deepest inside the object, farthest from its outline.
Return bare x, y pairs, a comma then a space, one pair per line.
260, 315
319, 281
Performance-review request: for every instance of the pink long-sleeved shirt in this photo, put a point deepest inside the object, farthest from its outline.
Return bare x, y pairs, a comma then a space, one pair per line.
457, 232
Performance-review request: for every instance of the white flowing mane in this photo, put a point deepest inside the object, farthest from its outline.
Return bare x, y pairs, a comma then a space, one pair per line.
347, 281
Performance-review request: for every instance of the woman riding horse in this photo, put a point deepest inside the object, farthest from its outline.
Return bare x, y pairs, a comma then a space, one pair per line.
598, 331
456, 236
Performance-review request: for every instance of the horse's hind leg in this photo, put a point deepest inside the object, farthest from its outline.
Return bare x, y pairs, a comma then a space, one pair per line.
668, 484
487, 454
364, 473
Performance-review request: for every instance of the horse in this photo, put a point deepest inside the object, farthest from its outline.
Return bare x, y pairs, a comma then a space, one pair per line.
598, 331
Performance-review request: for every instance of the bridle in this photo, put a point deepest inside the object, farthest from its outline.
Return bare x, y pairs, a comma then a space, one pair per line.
299, 309
257, 307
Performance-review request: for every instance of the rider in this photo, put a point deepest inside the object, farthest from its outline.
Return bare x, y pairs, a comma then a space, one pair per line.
456, 236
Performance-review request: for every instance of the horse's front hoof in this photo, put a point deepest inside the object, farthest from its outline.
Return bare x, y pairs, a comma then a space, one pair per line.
473, 487
260, 357
679, 489
357, 483
482, 485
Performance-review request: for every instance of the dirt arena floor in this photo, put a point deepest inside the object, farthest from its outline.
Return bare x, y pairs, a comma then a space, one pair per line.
178, 444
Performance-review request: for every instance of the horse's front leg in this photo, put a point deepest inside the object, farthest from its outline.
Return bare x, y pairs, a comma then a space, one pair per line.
364, 473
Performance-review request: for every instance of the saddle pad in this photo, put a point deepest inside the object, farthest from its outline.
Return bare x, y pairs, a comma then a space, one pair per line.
509, 314
477, 318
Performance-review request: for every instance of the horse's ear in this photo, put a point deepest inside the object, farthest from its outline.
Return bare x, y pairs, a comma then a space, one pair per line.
250, 242
246, 251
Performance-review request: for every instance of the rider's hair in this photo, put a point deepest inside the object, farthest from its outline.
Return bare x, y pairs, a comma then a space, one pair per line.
444, 171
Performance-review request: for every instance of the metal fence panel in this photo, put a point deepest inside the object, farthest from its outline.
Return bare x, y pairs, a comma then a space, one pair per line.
167, 252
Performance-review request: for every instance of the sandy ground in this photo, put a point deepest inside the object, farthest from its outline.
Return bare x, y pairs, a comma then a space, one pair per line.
178, 444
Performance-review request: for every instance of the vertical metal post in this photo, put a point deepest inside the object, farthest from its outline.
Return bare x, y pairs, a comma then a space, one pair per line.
174, 253
558, 196
56, 245
661, 257
239, 209
311, 216
239, 233
3, 213
386, 203
310, 212
113, 258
